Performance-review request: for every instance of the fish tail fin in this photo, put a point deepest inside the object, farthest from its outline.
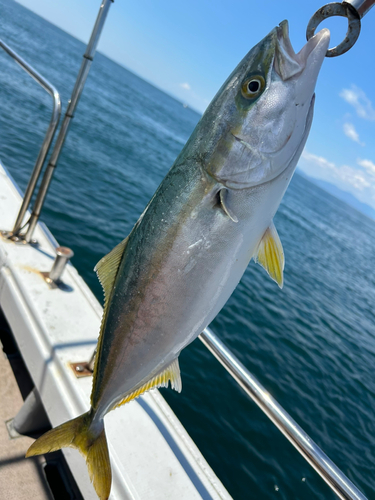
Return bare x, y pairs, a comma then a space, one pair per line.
91, 443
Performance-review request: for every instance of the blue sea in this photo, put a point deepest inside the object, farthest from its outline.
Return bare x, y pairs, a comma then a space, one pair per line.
311, 344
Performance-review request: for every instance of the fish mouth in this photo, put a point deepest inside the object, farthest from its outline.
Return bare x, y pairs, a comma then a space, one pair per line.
287, 63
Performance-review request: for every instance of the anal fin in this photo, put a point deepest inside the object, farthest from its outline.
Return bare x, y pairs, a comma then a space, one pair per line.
270, 255
171, 373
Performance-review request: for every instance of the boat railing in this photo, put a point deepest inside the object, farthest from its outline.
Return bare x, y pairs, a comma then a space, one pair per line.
88, 57
331, 474
15, 234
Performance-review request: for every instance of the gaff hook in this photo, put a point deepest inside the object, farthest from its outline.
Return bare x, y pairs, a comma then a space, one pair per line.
353, 10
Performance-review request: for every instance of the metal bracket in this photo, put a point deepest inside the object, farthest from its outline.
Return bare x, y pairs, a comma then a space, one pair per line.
81, 369
84, 368
17, 238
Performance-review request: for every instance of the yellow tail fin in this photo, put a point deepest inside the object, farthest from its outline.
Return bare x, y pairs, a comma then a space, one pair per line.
91, 443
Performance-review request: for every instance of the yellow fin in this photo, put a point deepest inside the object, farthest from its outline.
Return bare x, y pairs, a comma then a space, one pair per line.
99, 466
76, 433
106, 270
171, 373
270, 255
107, 267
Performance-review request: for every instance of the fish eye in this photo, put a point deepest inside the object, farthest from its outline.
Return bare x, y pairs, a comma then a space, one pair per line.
253, 86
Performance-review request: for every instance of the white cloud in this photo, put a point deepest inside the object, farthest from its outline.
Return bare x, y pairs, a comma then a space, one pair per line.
350, 131
344, 175
350, 175
185, 86
357, 98
318, 160
368, 165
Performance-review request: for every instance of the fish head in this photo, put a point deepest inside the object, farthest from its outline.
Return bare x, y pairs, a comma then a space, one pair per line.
258, 123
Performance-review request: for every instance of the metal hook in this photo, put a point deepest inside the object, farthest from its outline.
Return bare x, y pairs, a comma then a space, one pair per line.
337, 9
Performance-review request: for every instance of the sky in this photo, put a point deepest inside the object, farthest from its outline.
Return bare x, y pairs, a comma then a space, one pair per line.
188, 49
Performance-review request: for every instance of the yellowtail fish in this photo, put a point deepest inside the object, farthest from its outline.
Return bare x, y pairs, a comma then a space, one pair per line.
211, 214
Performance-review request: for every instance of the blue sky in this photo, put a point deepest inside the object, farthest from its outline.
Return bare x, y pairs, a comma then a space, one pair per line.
189, 48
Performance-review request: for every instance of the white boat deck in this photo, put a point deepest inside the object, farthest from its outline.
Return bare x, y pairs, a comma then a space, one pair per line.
152, 455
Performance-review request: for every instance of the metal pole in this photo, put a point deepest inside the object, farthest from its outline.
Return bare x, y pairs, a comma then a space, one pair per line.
361, 6
76, 94
331, 474
56, 111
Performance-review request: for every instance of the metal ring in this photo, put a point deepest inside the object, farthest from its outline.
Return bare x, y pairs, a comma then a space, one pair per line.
337, 9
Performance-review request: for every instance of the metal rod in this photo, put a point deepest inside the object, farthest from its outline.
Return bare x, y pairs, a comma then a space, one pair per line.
331, 474
76, 94
91, 362
31, 417
56, 112
361, 6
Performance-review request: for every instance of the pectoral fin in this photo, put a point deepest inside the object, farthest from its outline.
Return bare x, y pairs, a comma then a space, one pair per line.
270, 255
171, 373
223, 193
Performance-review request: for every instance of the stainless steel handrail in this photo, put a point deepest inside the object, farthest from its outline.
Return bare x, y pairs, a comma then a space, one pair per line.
76, 94
56, 112
361, 6
331, 474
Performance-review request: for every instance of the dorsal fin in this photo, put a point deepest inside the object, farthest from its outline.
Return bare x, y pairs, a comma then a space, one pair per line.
107, 267
106, 270
171, 373
270, 254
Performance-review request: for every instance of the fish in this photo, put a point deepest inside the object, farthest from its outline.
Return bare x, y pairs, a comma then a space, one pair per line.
211, 215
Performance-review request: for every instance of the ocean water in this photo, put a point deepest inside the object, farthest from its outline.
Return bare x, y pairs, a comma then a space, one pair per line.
311, 344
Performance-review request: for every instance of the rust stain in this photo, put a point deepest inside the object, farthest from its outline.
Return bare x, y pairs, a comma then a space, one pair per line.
32, 270
81, 369
44, 275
